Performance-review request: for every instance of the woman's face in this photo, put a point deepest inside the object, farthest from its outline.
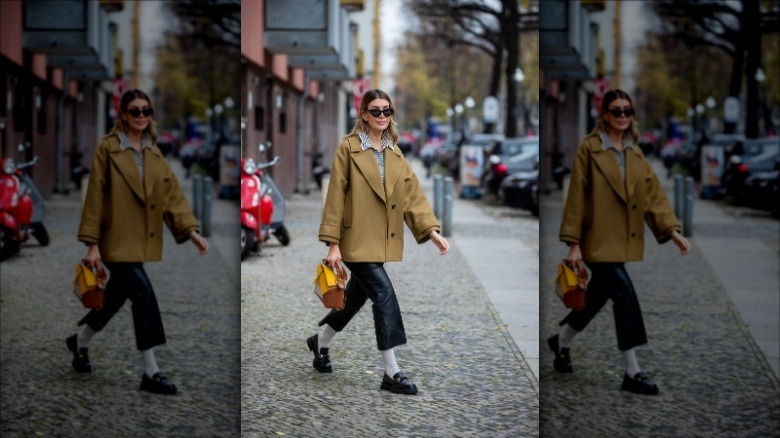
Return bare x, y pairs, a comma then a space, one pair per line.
377, 123
137, 115
622, 121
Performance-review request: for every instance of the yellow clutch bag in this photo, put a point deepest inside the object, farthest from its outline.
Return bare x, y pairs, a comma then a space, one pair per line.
570, 286
88, 287
329, 287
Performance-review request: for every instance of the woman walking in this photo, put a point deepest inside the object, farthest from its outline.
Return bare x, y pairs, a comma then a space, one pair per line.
372, 192
612, 193
131, 192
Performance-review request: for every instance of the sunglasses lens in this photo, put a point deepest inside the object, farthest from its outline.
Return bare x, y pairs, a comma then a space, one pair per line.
135, 112
618, 112
376, 113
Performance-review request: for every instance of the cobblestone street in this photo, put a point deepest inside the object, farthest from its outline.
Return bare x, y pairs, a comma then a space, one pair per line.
471, 377
198, 297
713, 379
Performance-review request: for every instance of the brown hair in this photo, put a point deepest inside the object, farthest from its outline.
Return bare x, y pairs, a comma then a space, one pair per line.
362, 126
609, 97
119, 123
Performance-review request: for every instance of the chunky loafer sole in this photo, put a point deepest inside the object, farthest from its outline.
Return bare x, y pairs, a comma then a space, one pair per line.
640, 384
321, 361
80, 358
562, 361
157, 384
398, 384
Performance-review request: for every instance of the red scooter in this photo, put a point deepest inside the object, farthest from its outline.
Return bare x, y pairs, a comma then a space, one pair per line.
262, 206
21, 208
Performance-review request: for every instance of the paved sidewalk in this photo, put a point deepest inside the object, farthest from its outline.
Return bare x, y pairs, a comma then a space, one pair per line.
199, 300
471, 377
700, 353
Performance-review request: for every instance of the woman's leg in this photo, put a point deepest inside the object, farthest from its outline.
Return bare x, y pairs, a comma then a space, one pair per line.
388, 324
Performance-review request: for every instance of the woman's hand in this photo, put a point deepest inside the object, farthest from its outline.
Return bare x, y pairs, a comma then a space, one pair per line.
440, 242
681, 242
93, 259
574, 258
199, 242
333, 258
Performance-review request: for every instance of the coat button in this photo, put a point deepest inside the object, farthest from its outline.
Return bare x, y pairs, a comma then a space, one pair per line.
151, 235
393, 206
634, 206
152, 206
392, 234
633, 234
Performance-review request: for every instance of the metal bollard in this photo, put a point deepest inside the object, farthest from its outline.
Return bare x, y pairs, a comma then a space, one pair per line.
449, 188
197, 196
208, 190
678, 196
690, 187
438, 193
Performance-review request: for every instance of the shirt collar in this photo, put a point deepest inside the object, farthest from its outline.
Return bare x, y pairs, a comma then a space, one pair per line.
365, 143
606, 143
125, 144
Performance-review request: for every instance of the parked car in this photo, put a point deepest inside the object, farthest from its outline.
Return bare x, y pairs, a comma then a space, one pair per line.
748, 157
521, 190
485, 141
447, 156
762, 190
690, 154
507, 156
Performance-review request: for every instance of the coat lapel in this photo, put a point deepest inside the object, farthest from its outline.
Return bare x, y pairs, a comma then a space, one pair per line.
393, 165
632, 171
125, 163
366, 163
606, 163
153, 168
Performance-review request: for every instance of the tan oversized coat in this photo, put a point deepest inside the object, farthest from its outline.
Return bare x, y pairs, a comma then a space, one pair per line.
125, 215
606, 216
366, 218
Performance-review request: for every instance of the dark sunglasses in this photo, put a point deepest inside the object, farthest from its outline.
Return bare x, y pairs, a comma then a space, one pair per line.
376, 113
135, 112
617, 112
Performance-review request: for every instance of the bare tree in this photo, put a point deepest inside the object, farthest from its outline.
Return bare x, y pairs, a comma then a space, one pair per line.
491, 27
733, 27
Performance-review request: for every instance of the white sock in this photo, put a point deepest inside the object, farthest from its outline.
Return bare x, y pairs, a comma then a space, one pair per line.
632, 366
150, 364
324, 337
84, 336
565, 336
391, 367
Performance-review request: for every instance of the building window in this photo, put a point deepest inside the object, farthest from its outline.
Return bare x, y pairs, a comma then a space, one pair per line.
282, 122
259, 118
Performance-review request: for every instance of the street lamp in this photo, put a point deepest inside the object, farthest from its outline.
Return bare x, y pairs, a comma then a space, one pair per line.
469, 105
710, 103
760, 77
450, 112
519, 75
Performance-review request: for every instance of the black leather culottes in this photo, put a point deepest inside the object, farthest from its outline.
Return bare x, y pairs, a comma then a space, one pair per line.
611, 281
369, 280
129, 281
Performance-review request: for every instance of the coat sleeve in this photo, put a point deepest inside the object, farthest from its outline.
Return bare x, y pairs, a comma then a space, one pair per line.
177, 215
659, 214
418, 214
92, 211
574, 210
333, 211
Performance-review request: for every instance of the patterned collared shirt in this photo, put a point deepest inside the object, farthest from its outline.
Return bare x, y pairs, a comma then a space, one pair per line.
365, 144
125, 144
628, 142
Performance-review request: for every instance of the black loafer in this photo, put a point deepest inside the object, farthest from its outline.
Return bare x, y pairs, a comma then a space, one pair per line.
640, 384
80, 358
562, 361
158, 384
321, 361
399, 384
